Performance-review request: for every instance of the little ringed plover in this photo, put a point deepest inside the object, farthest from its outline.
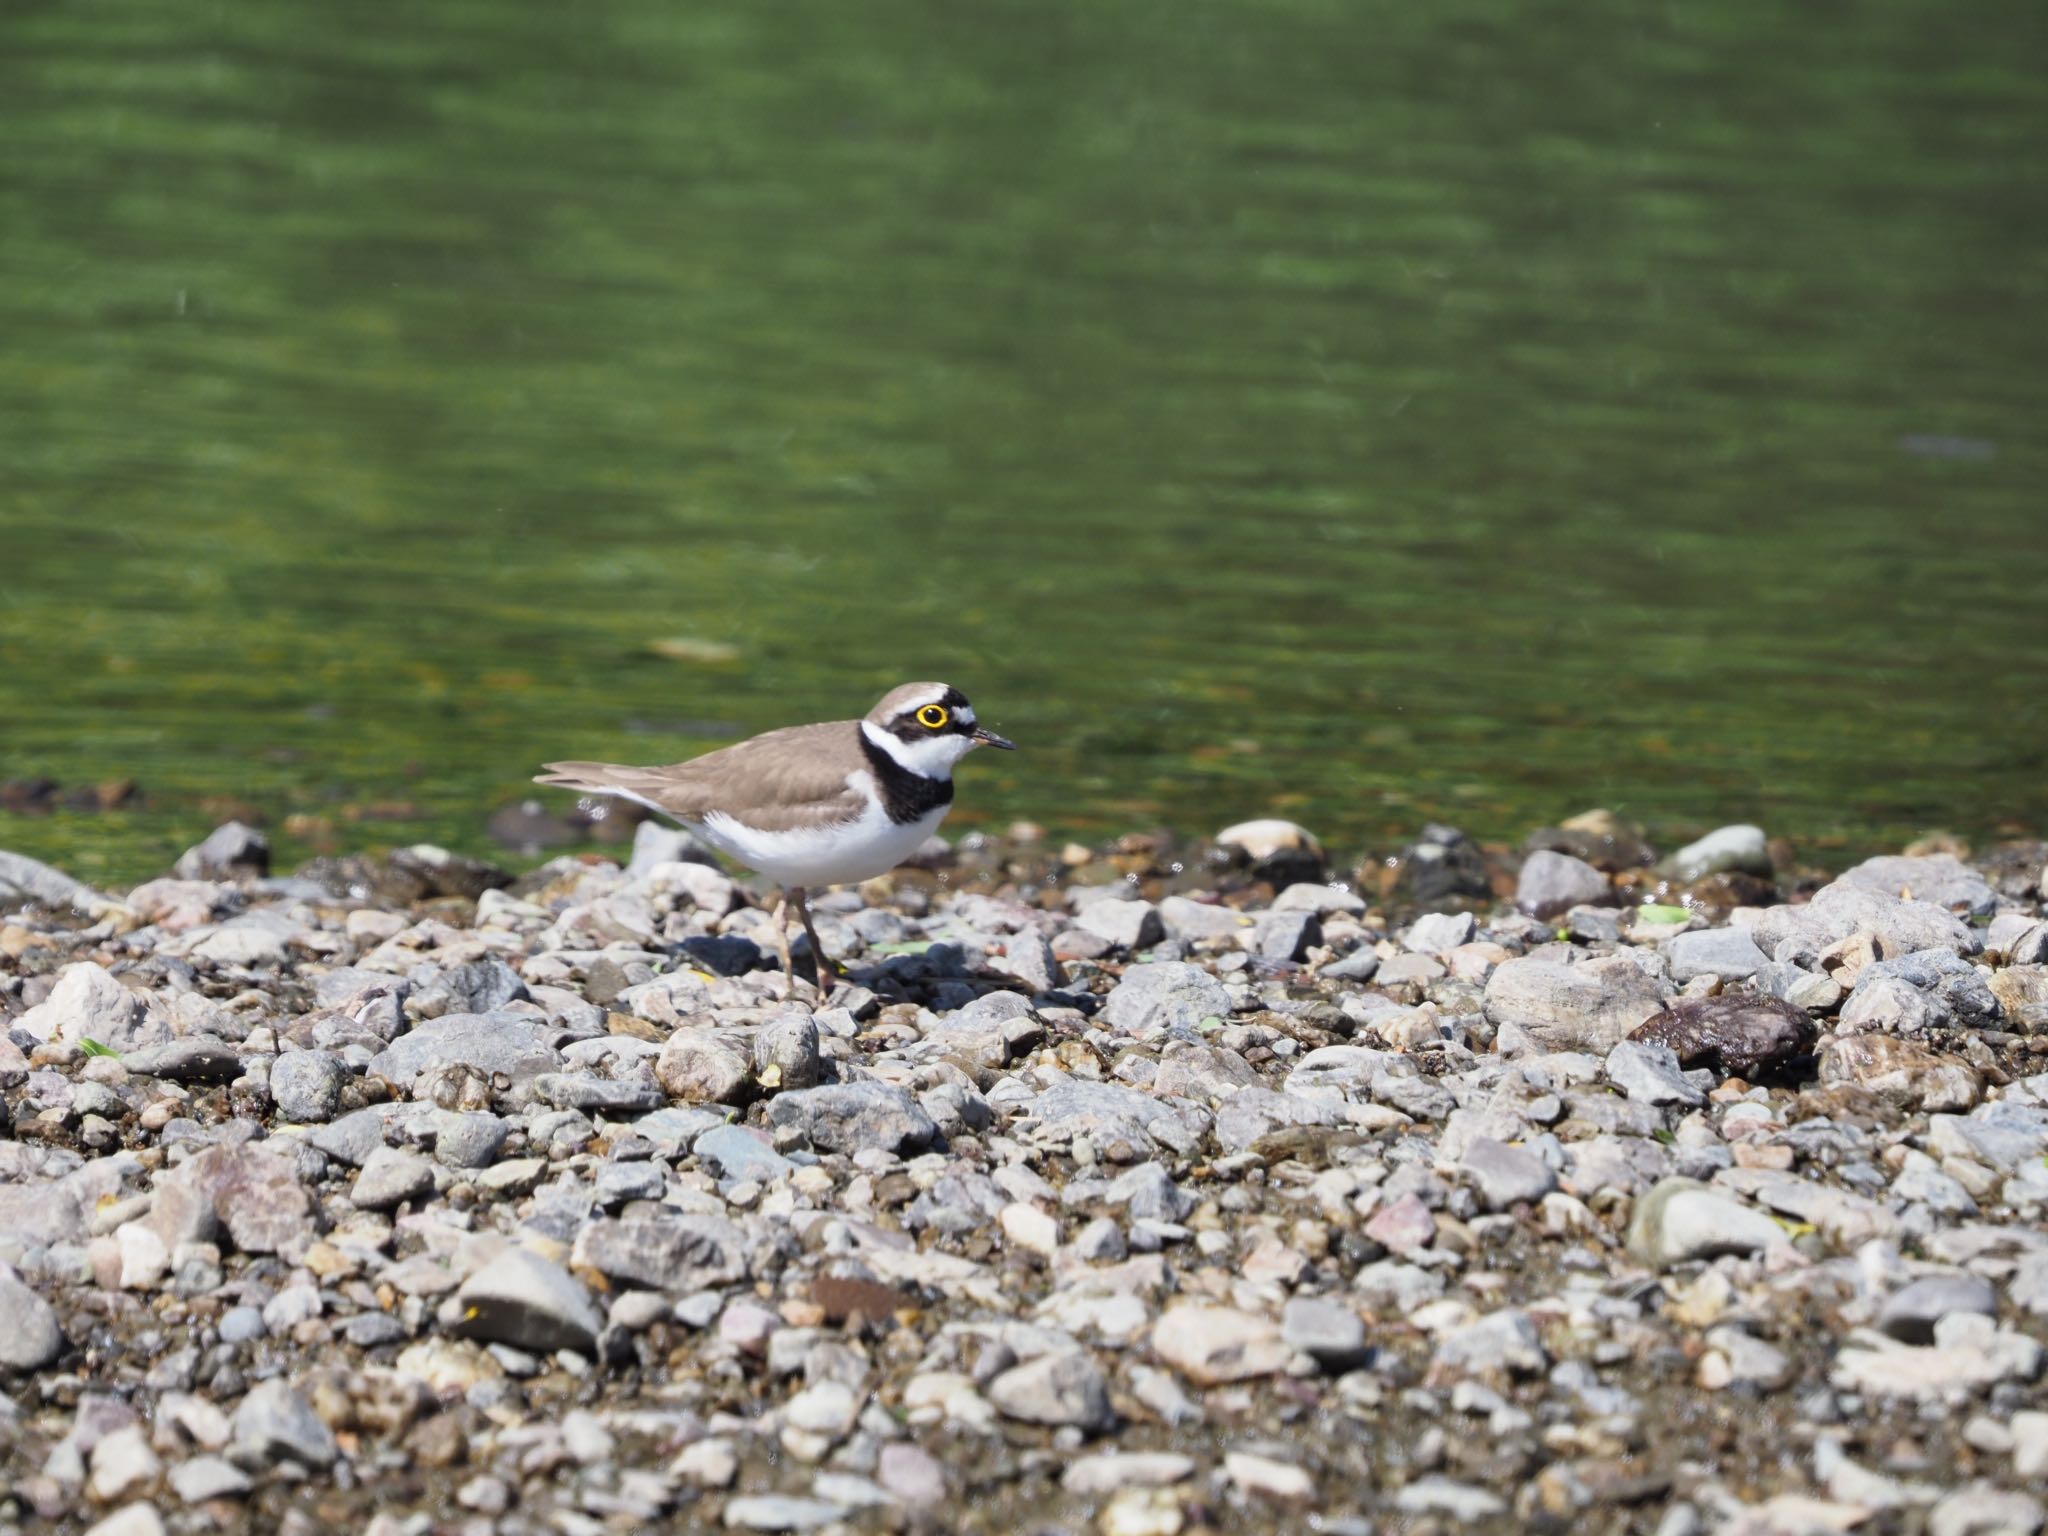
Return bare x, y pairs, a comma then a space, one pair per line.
813, 805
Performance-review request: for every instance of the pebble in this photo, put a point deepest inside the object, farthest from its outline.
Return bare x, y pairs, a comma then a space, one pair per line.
557, 1208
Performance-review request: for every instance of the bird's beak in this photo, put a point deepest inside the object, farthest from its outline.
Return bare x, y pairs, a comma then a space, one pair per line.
985, 737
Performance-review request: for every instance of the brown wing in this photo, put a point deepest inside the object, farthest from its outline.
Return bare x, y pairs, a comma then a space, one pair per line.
788, 778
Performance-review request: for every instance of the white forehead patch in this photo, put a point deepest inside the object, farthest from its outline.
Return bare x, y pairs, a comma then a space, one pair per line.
918, 701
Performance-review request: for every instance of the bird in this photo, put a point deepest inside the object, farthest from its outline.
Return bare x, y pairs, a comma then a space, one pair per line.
812, 805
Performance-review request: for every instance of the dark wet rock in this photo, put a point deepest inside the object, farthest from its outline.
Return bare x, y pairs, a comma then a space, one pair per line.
722, 954
230, 852
1553, 883
1735, 1034
1443, 865
846, 1117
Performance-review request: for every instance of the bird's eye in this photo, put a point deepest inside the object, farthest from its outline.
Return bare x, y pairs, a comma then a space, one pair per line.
933, 717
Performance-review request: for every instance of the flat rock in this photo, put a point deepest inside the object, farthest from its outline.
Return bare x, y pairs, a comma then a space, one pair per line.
389, 1178
1057, 1389
510, 1043
664, 1249
529, 1302
1328, 1332
1168, 994
1681, 1219
1727, 953
1505, 1176
1902, 1072
849, 1117
1212, 1345
197, 1060
1651, 1073
1130, 925
1591, 1005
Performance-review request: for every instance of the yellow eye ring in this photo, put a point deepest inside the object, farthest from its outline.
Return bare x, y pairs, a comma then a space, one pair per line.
933, 717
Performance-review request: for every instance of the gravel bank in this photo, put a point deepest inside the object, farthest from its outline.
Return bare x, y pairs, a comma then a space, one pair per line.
1134, 1191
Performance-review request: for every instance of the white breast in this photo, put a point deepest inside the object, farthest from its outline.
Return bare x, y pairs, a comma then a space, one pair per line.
840, 854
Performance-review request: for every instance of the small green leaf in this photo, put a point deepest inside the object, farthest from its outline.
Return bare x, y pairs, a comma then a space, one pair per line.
909, 947
94, 1048
1654, 913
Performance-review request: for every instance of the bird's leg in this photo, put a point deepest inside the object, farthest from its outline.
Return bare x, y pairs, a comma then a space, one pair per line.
782, 942
827, 976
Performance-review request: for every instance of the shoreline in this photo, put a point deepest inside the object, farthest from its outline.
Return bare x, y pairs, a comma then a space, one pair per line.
1114, 1195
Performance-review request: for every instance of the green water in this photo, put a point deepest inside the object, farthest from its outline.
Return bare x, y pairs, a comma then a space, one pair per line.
1362, 412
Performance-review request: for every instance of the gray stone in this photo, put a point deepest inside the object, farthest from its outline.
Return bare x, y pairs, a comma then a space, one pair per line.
480, 987
1055, 1389
1362, 964
390, 1178
1436, 1495
594, 1095
470, 1139
851, 1117
1501, 1342
513, 1044
1506, 1176
529, 1302
1588, 1006
664, 1249
204, 1478
1188, 920
1940, 879
1212, 1345
1130, 925
1438, 933
1727, 953
912, 1474
306, 1085
1681, 1219
1838, 910
780, 1512
1169, 994
786, 1053
24, 879
1149, 1193
700, 1067
1250, 1114
1551, 883
735, 1152
88, 1003
251, 1190
193, 1060
1286, 936
1984, 1510
29, 1336
353, 1137
1726, 850
275, 1424
1651, 1074
1329, 1332
229, 852
1911, 1312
